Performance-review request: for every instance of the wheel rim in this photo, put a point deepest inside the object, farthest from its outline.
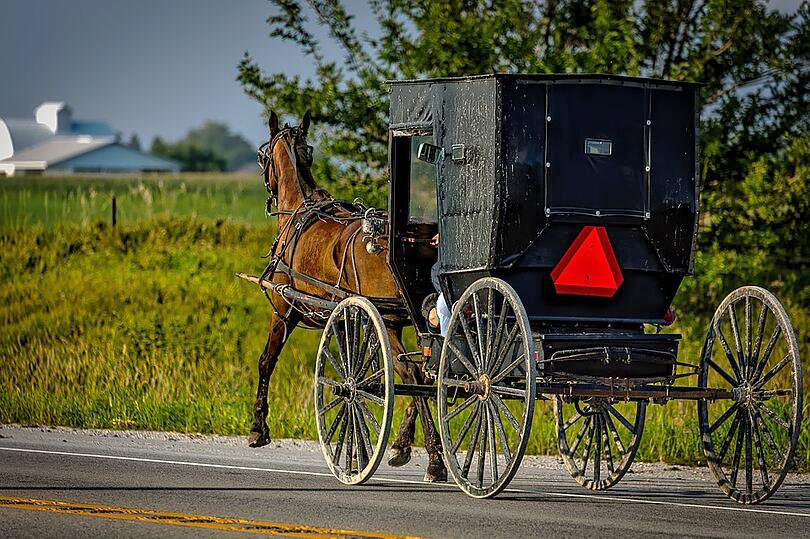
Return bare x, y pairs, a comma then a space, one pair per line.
354, 390
598, 439
488, 357
751, 349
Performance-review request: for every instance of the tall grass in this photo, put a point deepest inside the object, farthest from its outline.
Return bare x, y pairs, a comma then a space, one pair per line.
145, 326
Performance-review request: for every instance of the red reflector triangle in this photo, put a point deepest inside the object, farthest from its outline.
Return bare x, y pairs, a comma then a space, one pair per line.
589, 266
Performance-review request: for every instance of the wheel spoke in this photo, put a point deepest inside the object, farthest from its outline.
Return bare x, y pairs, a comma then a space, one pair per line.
504, 348
496, 342
774, 370
365, 436
350, 443
763, 467
452, 382
361, 355
356, 358
461, 407
490, 305
372, 376
622, 419
573, 419
466, 330
341, 439
349, 339
606, 443
328, 381
512, 366
722, 419
735, 466
587, 455
493, 450
373, 398
372, 357
465, 471
597, 457
331, 405
749, 460
722, 372
748, 332
335, 424
504, 390
334, 362
366, 412
580, 435
768, 435
766, 355
616, 437
509, 417
729, 355
465, 428
482, 447
479, 333
496, 416
773, 415
763, 316
735, 330
770, 393
729, 437
340, 341
461, 357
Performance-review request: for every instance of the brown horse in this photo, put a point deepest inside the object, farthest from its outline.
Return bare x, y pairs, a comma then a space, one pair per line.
320, 252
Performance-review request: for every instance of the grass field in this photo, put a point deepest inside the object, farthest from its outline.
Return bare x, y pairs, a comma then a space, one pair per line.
145, 326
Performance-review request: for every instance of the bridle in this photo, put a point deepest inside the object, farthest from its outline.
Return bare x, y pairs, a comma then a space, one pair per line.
288, 136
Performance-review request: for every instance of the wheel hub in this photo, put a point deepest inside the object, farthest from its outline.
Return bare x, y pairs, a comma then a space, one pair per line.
744, 395
347, 390
480, 387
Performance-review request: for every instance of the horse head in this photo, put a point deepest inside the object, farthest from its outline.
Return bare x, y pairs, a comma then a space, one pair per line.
286, 159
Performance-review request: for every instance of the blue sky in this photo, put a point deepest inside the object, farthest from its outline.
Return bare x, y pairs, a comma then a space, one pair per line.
151, 67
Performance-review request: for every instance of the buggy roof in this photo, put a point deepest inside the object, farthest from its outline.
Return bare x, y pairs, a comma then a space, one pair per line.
552, 77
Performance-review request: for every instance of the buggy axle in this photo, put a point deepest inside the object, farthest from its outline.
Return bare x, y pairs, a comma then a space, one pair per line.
643, 392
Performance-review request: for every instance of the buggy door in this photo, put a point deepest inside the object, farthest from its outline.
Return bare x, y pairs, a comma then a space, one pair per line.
412, 209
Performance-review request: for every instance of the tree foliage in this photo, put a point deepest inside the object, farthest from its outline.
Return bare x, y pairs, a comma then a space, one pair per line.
218, 138
211, 147
752, 60
192, 157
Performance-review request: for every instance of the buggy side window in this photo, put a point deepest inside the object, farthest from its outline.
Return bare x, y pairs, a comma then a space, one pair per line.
423, 185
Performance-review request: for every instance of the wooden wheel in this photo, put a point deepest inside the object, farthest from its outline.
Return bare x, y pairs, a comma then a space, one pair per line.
751, 349
486, 388
598, 439
354, 390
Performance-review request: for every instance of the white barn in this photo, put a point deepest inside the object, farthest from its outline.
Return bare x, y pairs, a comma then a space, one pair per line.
54, 142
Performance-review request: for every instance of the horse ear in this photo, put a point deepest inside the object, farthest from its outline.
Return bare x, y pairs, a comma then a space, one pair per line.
304, 128
273, 124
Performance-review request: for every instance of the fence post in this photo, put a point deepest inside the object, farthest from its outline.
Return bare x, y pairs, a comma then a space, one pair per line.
113, 211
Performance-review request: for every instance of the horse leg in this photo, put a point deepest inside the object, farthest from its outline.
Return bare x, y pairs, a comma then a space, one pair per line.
436, 470
259, 432
400, 452
401, 449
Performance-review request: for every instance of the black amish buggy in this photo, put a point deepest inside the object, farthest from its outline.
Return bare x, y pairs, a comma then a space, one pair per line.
567, 211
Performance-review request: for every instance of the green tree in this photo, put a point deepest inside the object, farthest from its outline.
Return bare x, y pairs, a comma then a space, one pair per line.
752, 60
216, 137
192, 157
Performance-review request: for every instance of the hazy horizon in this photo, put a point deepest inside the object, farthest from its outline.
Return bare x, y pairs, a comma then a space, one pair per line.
150, 67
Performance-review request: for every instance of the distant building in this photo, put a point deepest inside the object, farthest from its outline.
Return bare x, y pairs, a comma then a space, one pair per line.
54, 142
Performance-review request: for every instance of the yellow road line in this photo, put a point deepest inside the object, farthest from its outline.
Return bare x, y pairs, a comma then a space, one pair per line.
196, 521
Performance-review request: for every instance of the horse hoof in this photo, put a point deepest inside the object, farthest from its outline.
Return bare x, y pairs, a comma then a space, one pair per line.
399, 456
258, 439
436, 473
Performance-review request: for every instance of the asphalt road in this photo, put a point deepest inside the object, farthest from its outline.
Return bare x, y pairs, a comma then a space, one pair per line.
65, 483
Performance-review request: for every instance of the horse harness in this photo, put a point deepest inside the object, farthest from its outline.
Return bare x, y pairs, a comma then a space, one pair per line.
282, 251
